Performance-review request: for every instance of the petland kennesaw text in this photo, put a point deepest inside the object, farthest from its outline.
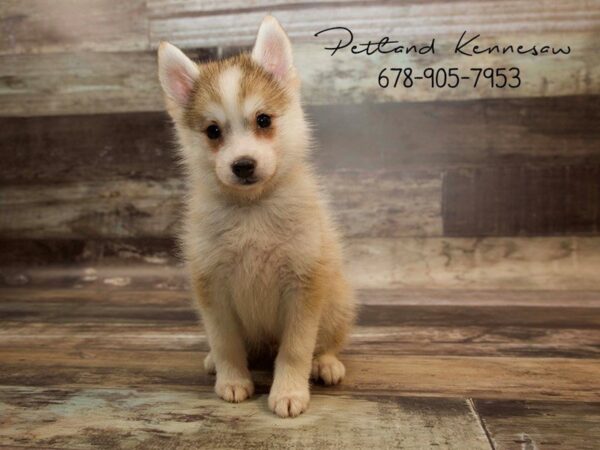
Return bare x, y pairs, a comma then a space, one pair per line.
466, 45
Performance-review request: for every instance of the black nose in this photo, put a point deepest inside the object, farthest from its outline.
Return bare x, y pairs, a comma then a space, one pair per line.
243, 167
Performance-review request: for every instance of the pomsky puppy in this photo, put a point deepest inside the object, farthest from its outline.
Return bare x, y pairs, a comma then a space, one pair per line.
261, 248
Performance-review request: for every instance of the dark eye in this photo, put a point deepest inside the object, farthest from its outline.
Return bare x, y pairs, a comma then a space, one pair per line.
263, 120
213, 131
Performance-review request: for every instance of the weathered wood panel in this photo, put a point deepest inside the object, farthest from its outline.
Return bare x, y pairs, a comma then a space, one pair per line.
366, 204
91, 83
99, 317
91, 285
549, 425
406, 263
509, 201
163, 8
185, 24
475, 263
400, 340
406, 315
480, 377
554, 130
138, 418
39, 26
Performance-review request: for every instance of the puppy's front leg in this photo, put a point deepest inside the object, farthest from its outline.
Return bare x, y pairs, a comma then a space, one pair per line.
234, 383
289, 394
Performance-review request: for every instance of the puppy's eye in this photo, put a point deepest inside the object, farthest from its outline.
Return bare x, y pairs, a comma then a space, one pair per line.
213, 131
263, 121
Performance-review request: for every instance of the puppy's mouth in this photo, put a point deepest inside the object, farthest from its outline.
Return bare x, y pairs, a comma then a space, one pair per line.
247, 181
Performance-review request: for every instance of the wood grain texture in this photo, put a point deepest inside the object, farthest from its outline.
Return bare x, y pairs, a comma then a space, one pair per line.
38, 26
554, 130
91, 83
99, 315
185, 24
399, 340
475, 263
529, 425
138, 418
549, 263
482, 377
367, 204
509, 201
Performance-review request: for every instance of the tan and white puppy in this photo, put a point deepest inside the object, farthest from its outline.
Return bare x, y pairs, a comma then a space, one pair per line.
262, 251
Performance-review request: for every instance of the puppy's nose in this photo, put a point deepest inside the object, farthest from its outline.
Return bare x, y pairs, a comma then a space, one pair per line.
243, 167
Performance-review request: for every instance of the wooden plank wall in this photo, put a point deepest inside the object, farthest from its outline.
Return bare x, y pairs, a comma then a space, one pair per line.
87, 162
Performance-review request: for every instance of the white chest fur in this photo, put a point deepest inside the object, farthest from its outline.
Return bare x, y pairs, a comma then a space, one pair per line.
257, 254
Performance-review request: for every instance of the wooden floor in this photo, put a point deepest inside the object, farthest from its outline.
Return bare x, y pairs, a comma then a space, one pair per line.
89, 359
93, 360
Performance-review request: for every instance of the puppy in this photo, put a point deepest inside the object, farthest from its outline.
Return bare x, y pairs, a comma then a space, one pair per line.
262, 251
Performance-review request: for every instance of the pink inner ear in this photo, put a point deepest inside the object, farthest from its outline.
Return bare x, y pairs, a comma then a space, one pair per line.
273, 57
181, 85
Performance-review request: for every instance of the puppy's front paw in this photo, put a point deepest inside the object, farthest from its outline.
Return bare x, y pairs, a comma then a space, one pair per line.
328, 368
236, 390
288, 403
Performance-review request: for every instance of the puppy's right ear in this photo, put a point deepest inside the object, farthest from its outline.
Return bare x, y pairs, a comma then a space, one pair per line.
177, 73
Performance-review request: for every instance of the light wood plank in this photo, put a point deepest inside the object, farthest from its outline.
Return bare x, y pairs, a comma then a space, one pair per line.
164, 8
138, 418
39, 26
189, 27
480, 377
549, 425
366, 203
86, 83
475, 263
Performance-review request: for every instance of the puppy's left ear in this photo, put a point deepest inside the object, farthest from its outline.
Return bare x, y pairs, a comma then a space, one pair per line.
177, 74
273, 50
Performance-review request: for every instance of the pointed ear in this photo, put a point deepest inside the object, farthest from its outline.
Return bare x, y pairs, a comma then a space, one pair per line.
273, 50
176, 72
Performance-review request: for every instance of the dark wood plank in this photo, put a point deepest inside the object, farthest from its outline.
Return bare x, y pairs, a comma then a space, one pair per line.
153, 419
522, 200
517, 424
518, 263
554, 130
398, 340
71, 310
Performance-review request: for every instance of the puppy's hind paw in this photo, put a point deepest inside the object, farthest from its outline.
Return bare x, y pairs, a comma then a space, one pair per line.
328, 368
209, 365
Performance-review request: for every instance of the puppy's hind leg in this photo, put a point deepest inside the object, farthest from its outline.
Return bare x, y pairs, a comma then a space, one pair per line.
209, 364
337, 318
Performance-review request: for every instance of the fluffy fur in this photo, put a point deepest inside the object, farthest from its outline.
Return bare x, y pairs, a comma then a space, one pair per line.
263, 255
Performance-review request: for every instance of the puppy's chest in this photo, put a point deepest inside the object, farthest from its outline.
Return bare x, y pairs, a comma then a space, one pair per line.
256, 264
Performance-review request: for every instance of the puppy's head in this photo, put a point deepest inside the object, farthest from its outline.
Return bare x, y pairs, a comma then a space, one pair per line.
239, 120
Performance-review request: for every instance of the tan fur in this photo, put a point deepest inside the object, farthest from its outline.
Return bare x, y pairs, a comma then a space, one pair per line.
264, 260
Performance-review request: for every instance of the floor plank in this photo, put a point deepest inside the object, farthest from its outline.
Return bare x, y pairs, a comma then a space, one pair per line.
482, 377
135, 418
449, 340
527, 425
